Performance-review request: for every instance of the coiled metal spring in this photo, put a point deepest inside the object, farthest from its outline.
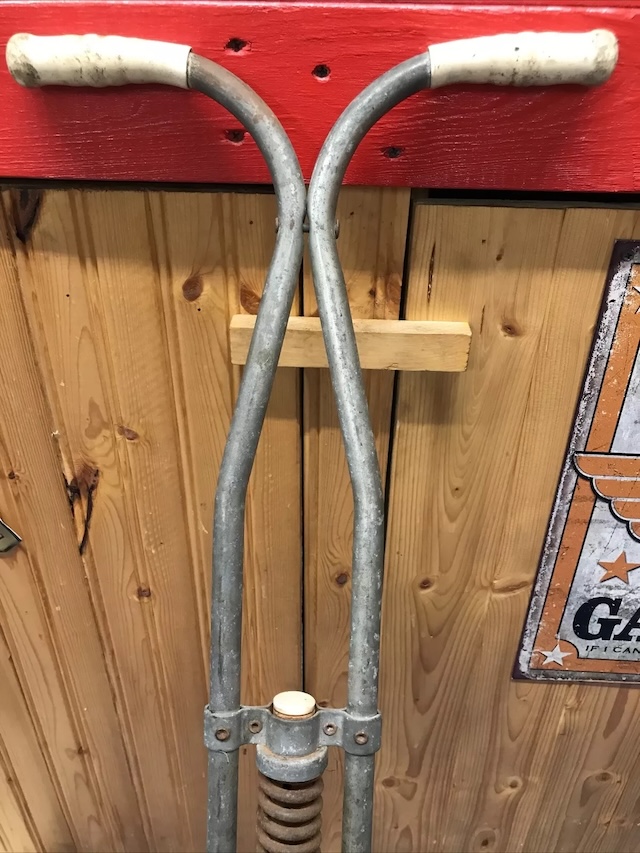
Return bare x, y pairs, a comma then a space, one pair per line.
289, 816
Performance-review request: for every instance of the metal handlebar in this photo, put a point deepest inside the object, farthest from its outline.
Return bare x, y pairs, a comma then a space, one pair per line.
540, 58
292, 735
99, 61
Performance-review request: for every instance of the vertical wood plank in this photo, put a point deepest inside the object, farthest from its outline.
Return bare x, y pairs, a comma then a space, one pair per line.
48, 617
15, 834
128, 298
373, 228
218, 249
74, 349
124, 287
472, 761
23, 752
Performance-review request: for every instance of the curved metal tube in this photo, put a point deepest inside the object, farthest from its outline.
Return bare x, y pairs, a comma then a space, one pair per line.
368, 526
239, 453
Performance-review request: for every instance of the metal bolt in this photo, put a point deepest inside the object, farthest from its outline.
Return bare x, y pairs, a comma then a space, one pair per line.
255, 726
361, 738
329, 729
223, 734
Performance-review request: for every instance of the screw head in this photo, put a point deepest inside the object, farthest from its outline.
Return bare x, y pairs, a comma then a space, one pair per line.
361, 738
255, 726
329, 729
223, 734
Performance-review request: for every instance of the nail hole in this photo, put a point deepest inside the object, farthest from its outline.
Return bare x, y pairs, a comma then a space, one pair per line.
234, 136
392, 152
321, 72
426, 583
342, 578
237, 45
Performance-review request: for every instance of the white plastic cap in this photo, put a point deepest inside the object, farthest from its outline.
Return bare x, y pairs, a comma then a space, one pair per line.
294, 703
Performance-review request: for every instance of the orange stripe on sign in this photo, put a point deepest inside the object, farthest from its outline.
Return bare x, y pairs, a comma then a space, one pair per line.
627, 510
607, 465
612, 488
616, 378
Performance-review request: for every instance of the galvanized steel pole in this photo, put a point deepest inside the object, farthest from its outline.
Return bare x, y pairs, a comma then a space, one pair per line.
346, 378
246, 424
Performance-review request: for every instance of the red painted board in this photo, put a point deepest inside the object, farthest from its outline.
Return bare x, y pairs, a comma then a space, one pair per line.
566, 138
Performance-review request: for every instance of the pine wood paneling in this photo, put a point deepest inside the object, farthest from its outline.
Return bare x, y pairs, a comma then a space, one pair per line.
471, 760
117, 390
120, 389
48, 615
26, 761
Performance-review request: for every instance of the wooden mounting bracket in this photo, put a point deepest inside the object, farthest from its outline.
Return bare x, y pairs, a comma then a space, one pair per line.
382, 344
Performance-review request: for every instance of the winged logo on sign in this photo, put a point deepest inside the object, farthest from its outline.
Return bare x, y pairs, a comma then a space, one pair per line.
616, 479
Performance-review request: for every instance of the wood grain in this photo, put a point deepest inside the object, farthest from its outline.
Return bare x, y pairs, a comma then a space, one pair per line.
16, 836
27, 768
471, 760
371, 246
561, 138
217, 252
47, 611
103, 654
382, 344
94, 435
128, 298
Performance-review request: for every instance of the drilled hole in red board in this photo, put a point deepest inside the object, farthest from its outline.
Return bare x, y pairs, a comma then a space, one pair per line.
321, 72
237, 45
235, 136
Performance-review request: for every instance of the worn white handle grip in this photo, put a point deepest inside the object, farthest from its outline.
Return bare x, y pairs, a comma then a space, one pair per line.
92, 60
526, 59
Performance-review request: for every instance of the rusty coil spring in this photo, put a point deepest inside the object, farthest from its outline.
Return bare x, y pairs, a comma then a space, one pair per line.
289, 816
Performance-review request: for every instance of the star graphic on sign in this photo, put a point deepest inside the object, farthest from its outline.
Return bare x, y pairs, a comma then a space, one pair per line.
618, 568
554, 656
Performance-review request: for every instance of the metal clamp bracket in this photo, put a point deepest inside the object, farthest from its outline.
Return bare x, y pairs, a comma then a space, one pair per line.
226, 732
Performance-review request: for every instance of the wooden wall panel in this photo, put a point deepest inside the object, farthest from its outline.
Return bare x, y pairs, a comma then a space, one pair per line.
122, 303
16, 836
217, 249
25, 766
47, 612
117, 391
373, 229
472, 760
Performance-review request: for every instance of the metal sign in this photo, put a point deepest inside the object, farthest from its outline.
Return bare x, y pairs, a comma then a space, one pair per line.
9, 539
584, 618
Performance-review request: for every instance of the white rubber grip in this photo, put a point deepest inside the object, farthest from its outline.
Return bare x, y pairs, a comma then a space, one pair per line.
92, 60
526, 59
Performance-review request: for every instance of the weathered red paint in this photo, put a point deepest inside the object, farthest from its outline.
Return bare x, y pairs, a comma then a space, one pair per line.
560, 139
